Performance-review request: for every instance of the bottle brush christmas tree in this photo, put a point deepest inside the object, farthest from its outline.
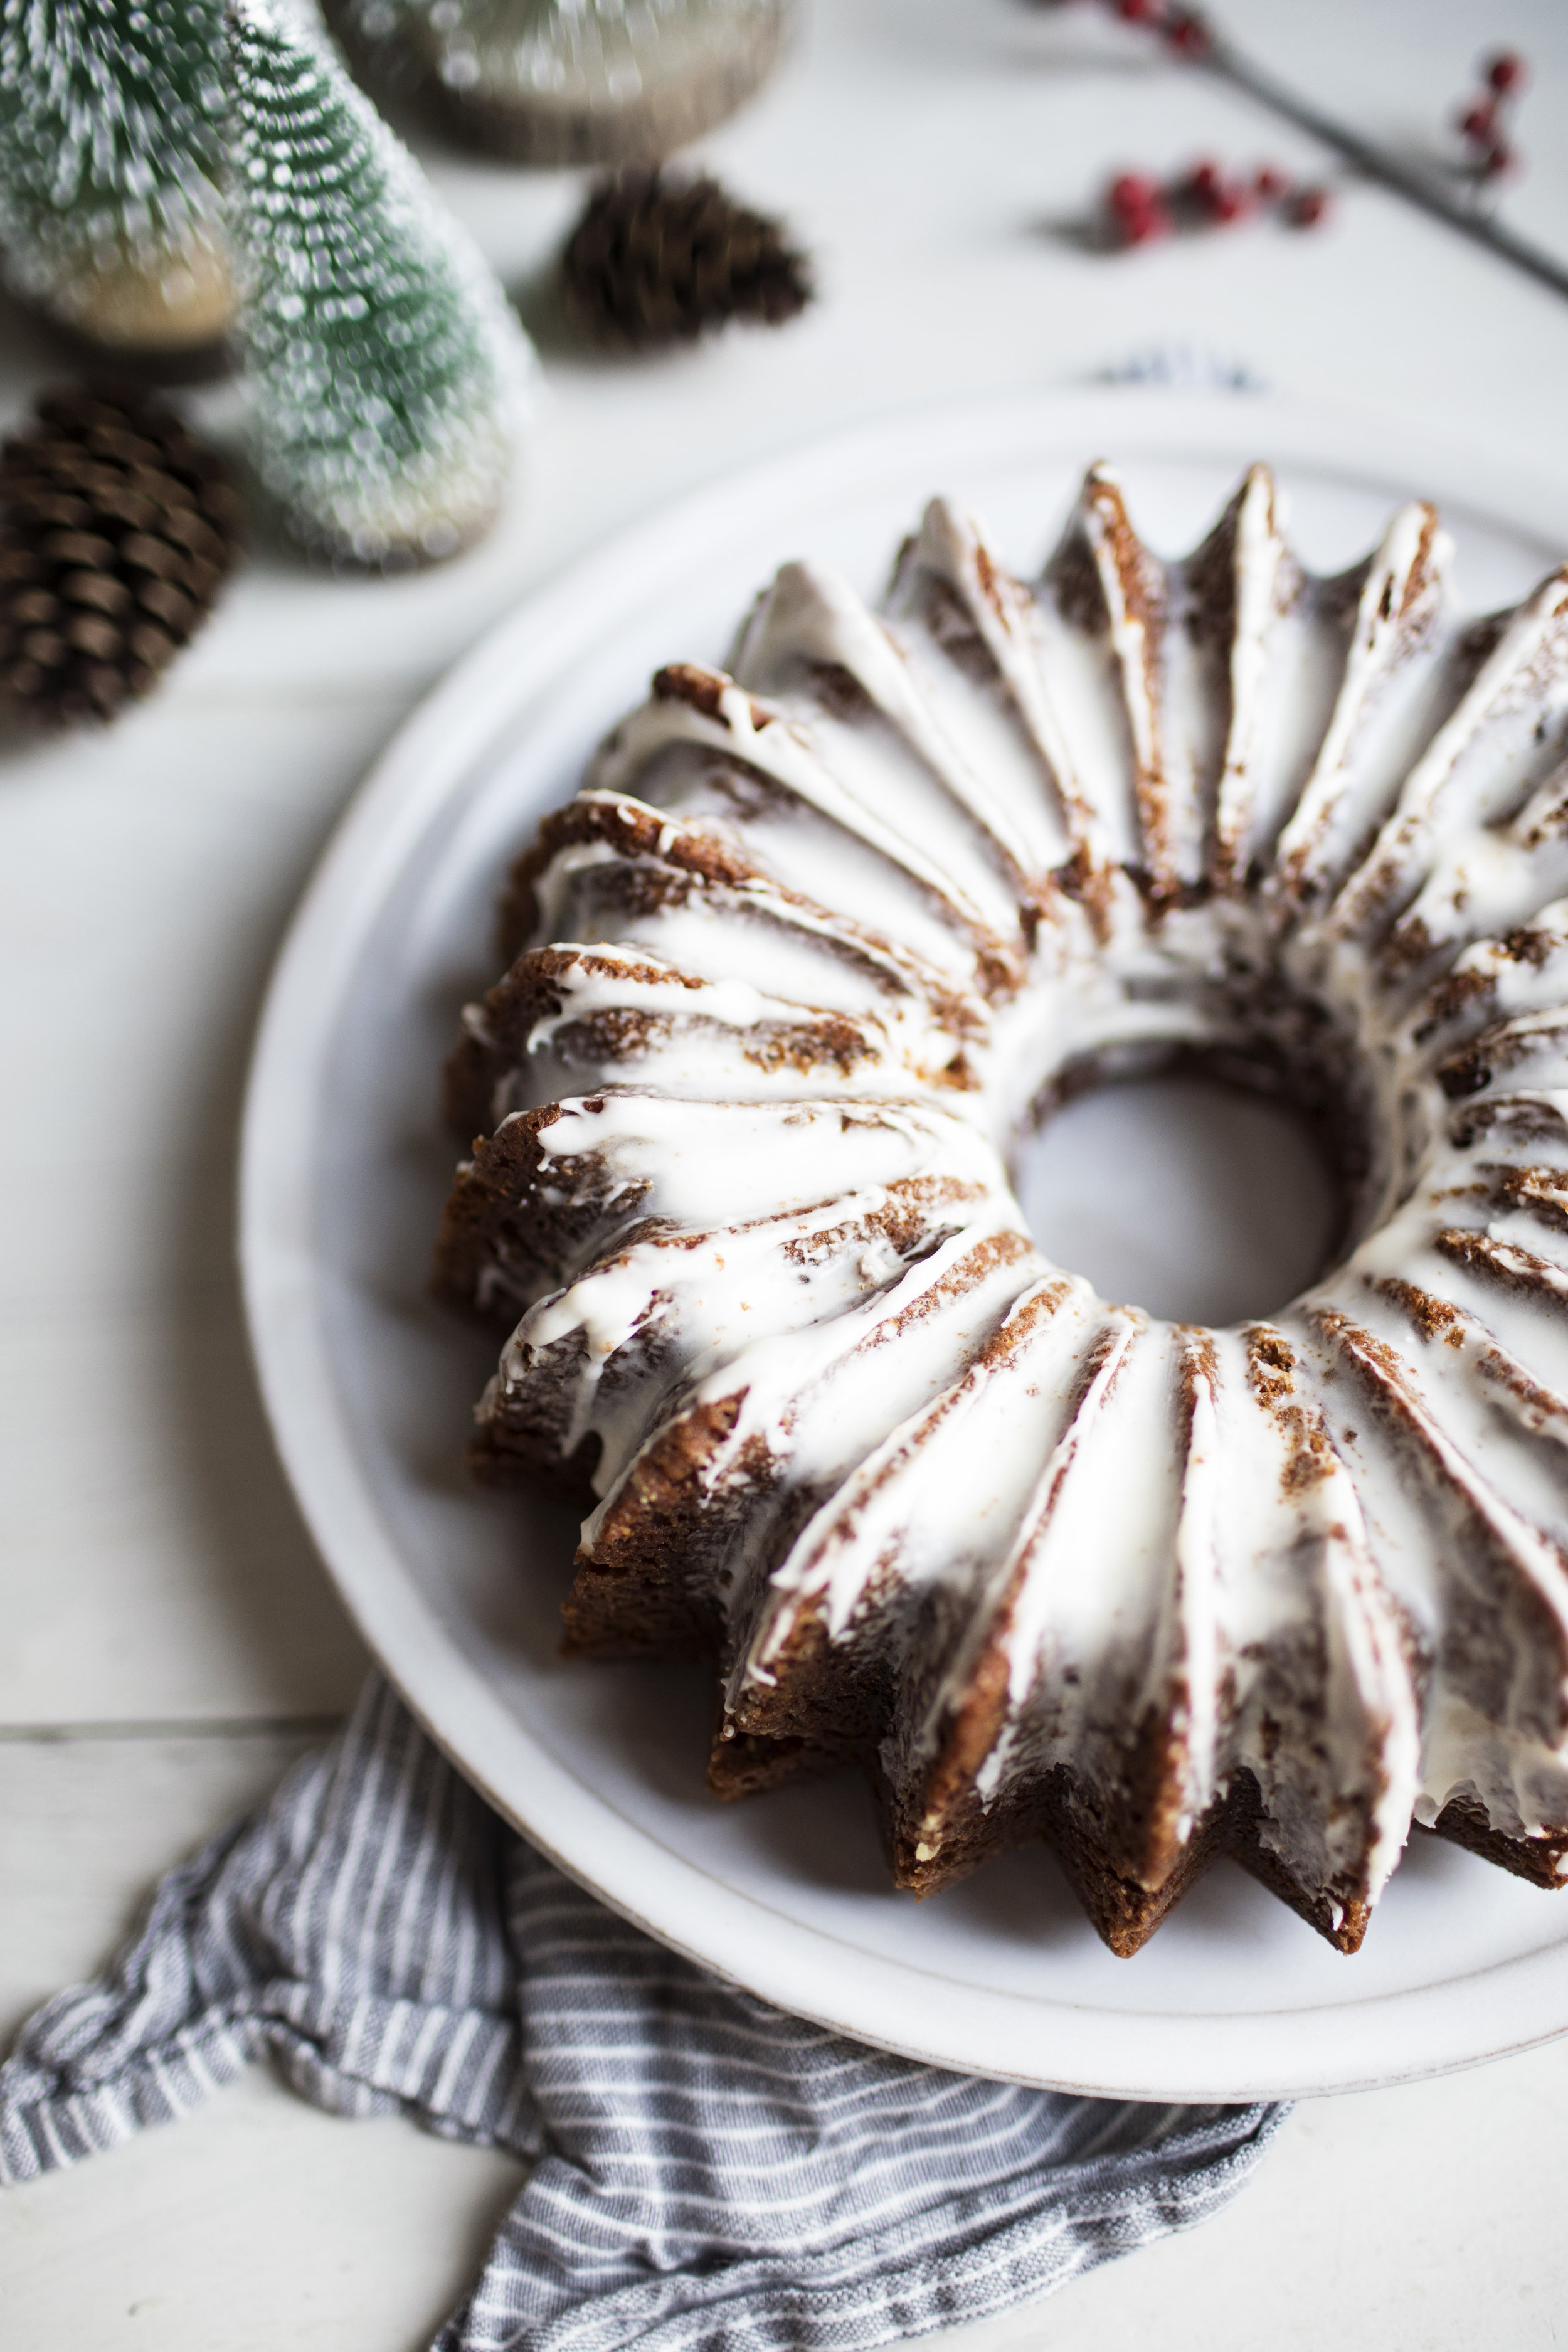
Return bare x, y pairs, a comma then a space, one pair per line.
109, 159
388, 371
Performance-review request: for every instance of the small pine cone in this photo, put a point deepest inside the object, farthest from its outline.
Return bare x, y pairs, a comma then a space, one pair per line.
655, 260
117, 528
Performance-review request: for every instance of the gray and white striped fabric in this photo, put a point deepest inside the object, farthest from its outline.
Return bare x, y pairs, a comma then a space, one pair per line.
708, 2173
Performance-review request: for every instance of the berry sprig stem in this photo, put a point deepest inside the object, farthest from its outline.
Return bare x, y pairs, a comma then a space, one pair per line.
1195, 38
1485, 123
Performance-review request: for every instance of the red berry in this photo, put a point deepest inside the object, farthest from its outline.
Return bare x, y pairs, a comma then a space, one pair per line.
1137, 207
1499, 158
1206, 188
1480, 122
1139, 228
1307, 207
1506, 71
1187, 32
1269, 184
1139, 12
1133, 193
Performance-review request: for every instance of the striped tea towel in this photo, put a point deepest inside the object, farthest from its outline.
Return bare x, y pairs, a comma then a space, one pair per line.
709, 2175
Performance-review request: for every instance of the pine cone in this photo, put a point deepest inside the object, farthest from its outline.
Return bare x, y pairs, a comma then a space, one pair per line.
657, 261
117, 527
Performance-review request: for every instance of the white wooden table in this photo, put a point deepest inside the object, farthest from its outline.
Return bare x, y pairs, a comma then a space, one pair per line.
169, 1639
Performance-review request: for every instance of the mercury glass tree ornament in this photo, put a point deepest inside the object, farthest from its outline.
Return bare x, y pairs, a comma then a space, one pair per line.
556, 82
110, 161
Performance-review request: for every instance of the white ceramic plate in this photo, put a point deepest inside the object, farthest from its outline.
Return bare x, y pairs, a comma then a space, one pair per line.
369, 1386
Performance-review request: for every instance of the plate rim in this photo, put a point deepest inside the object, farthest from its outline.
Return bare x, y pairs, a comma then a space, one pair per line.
1372, 2042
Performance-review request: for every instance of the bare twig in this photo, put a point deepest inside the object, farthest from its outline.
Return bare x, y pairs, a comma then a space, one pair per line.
1416, 187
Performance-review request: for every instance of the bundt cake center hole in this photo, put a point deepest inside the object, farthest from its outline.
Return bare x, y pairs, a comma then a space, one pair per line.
1198, 1199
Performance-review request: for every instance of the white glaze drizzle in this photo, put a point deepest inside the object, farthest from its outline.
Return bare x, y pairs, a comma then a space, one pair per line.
1078, 761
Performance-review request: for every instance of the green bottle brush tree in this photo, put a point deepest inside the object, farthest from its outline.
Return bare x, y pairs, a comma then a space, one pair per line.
110, 159
386, 369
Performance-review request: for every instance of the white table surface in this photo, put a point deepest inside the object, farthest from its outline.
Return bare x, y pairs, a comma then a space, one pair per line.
170, 1640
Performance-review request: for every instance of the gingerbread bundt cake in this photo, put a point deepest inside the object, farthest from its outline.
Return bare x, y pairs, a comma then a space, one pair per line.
815, 945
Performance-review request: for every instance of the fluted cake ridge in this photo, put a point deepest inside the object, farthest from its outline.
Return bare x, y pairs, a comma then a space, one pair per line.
820, 938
